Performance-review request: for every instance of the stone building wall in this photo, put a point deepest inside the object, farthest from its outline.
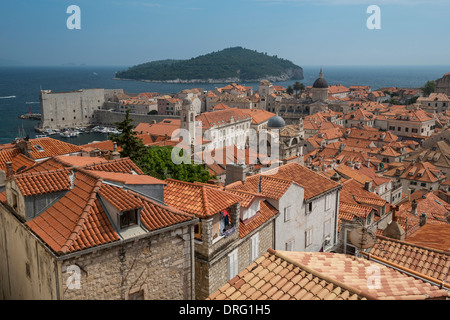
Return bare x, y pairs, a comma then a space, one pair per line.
153, 268
109, 118
211, 275
443, 84
69, 109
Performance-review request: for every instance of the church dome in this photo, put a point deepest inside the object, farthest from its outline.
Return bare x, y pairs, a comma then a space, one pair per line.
320, 83
276, 122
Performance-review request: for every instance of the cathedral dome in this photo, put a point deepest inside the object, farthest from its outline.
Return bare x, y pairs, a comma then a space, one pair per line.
276, 122
320, 83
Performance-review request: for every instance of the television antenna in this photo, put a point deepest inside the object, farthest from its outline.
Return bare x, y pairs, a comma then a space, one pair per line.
362, 237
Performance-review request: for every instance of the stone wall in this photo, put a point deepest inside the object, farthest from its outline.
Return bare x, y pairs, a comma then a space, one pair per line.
109, 118
69, 109
213, 274
28, 270
443, 84
155, 268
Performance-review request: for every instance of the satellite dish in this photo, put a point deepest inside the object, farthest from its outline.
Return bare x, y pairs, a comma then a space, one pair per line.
362, 238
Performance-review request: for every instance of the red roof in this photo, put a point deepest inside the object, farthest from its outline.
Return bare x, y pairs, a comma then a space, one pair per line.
197, 199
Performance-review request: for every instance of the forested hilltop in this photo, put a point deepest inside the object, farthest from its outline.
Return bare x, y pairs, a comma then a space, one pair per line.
232, 64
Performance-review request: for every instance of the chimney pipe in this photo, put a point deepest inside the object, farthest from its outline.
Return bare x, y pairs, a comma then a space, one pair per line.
423, 219
414, 207
9, 169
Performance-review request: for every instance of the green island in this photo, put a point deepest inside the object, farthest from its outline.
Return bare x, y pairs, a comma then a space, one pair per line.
231, 64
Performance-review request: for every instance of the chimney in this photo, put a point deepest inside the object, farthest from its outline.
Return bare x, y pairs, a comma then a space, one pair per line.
336, 177
368, 186
414, 207
115, 154
9, 169
423, 219
368, 163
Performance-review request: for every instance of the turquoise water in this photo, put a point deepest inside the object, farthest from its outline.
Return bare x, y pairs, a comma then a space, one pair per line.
20, 86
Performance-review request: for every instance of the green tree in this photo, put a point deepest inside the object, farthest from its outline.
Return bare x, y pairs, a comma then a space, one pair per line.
289, 90
131, 145
157, 162
298, 87
429, 87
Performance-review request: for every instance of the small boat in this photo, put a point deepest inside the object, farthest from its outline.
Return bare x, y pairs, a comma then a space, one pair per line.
38, 136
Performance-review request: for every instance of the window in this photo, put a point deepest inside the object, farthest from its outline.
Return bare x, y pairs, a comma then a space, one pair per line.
310, 207
232, 264
423, 184
287, 214
406, 129
128, 218
308, 237
328, 202
290, 245
326, 228
254, 247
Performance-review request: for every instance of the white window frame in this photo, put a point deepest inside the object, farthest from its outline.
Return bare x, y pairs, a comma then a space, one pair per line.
254, 247
287, 214
289, 246
308, 237
328, 201
327, 225
232, 264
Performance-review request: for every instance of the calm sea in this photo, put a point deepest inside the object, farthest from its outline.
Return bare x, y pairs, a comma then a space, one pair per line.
20, 87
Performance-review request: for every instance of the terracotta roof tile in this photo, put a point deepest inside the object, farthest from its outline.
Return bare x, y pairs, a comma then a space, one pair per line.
119, 198
197, 199
423, 260
267, 278
70, 224
44, 182
266, 212
48, 147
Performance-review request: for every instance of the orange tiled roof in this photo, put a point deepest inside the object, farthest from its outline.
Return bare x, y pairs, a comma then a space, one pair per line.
258, 115
271, 187
165, 127
313, 182
276, 276
44, 182
6, 156
123, 165
220, 117
78, 221
156, 216
197, 199
424, 260
119, 198
75, 222
266, 212
51, 147
21, 162
127, 178
354, 272
435, 236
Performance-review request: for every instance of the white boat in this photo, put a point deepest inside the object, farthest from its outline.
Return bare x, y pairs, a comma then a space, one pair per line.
38, 136
65, 134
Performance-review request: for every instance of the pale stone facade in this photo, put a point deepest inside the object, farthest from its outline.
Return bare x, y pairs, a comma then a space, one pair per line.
69, 109
156, 266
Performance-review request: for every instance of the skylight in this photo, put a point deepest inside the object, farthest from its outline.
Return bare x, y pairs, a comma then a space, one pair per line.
39, 148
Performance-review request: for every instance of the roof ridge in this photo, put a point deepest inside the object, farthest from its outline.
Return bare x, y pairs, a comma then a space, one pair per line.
205, 200
321, 275
162, 205
82, 219
29, 174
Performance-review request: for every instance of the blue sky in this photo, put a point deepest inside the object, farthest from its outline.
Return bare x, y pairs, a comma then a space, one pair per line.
307, 32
